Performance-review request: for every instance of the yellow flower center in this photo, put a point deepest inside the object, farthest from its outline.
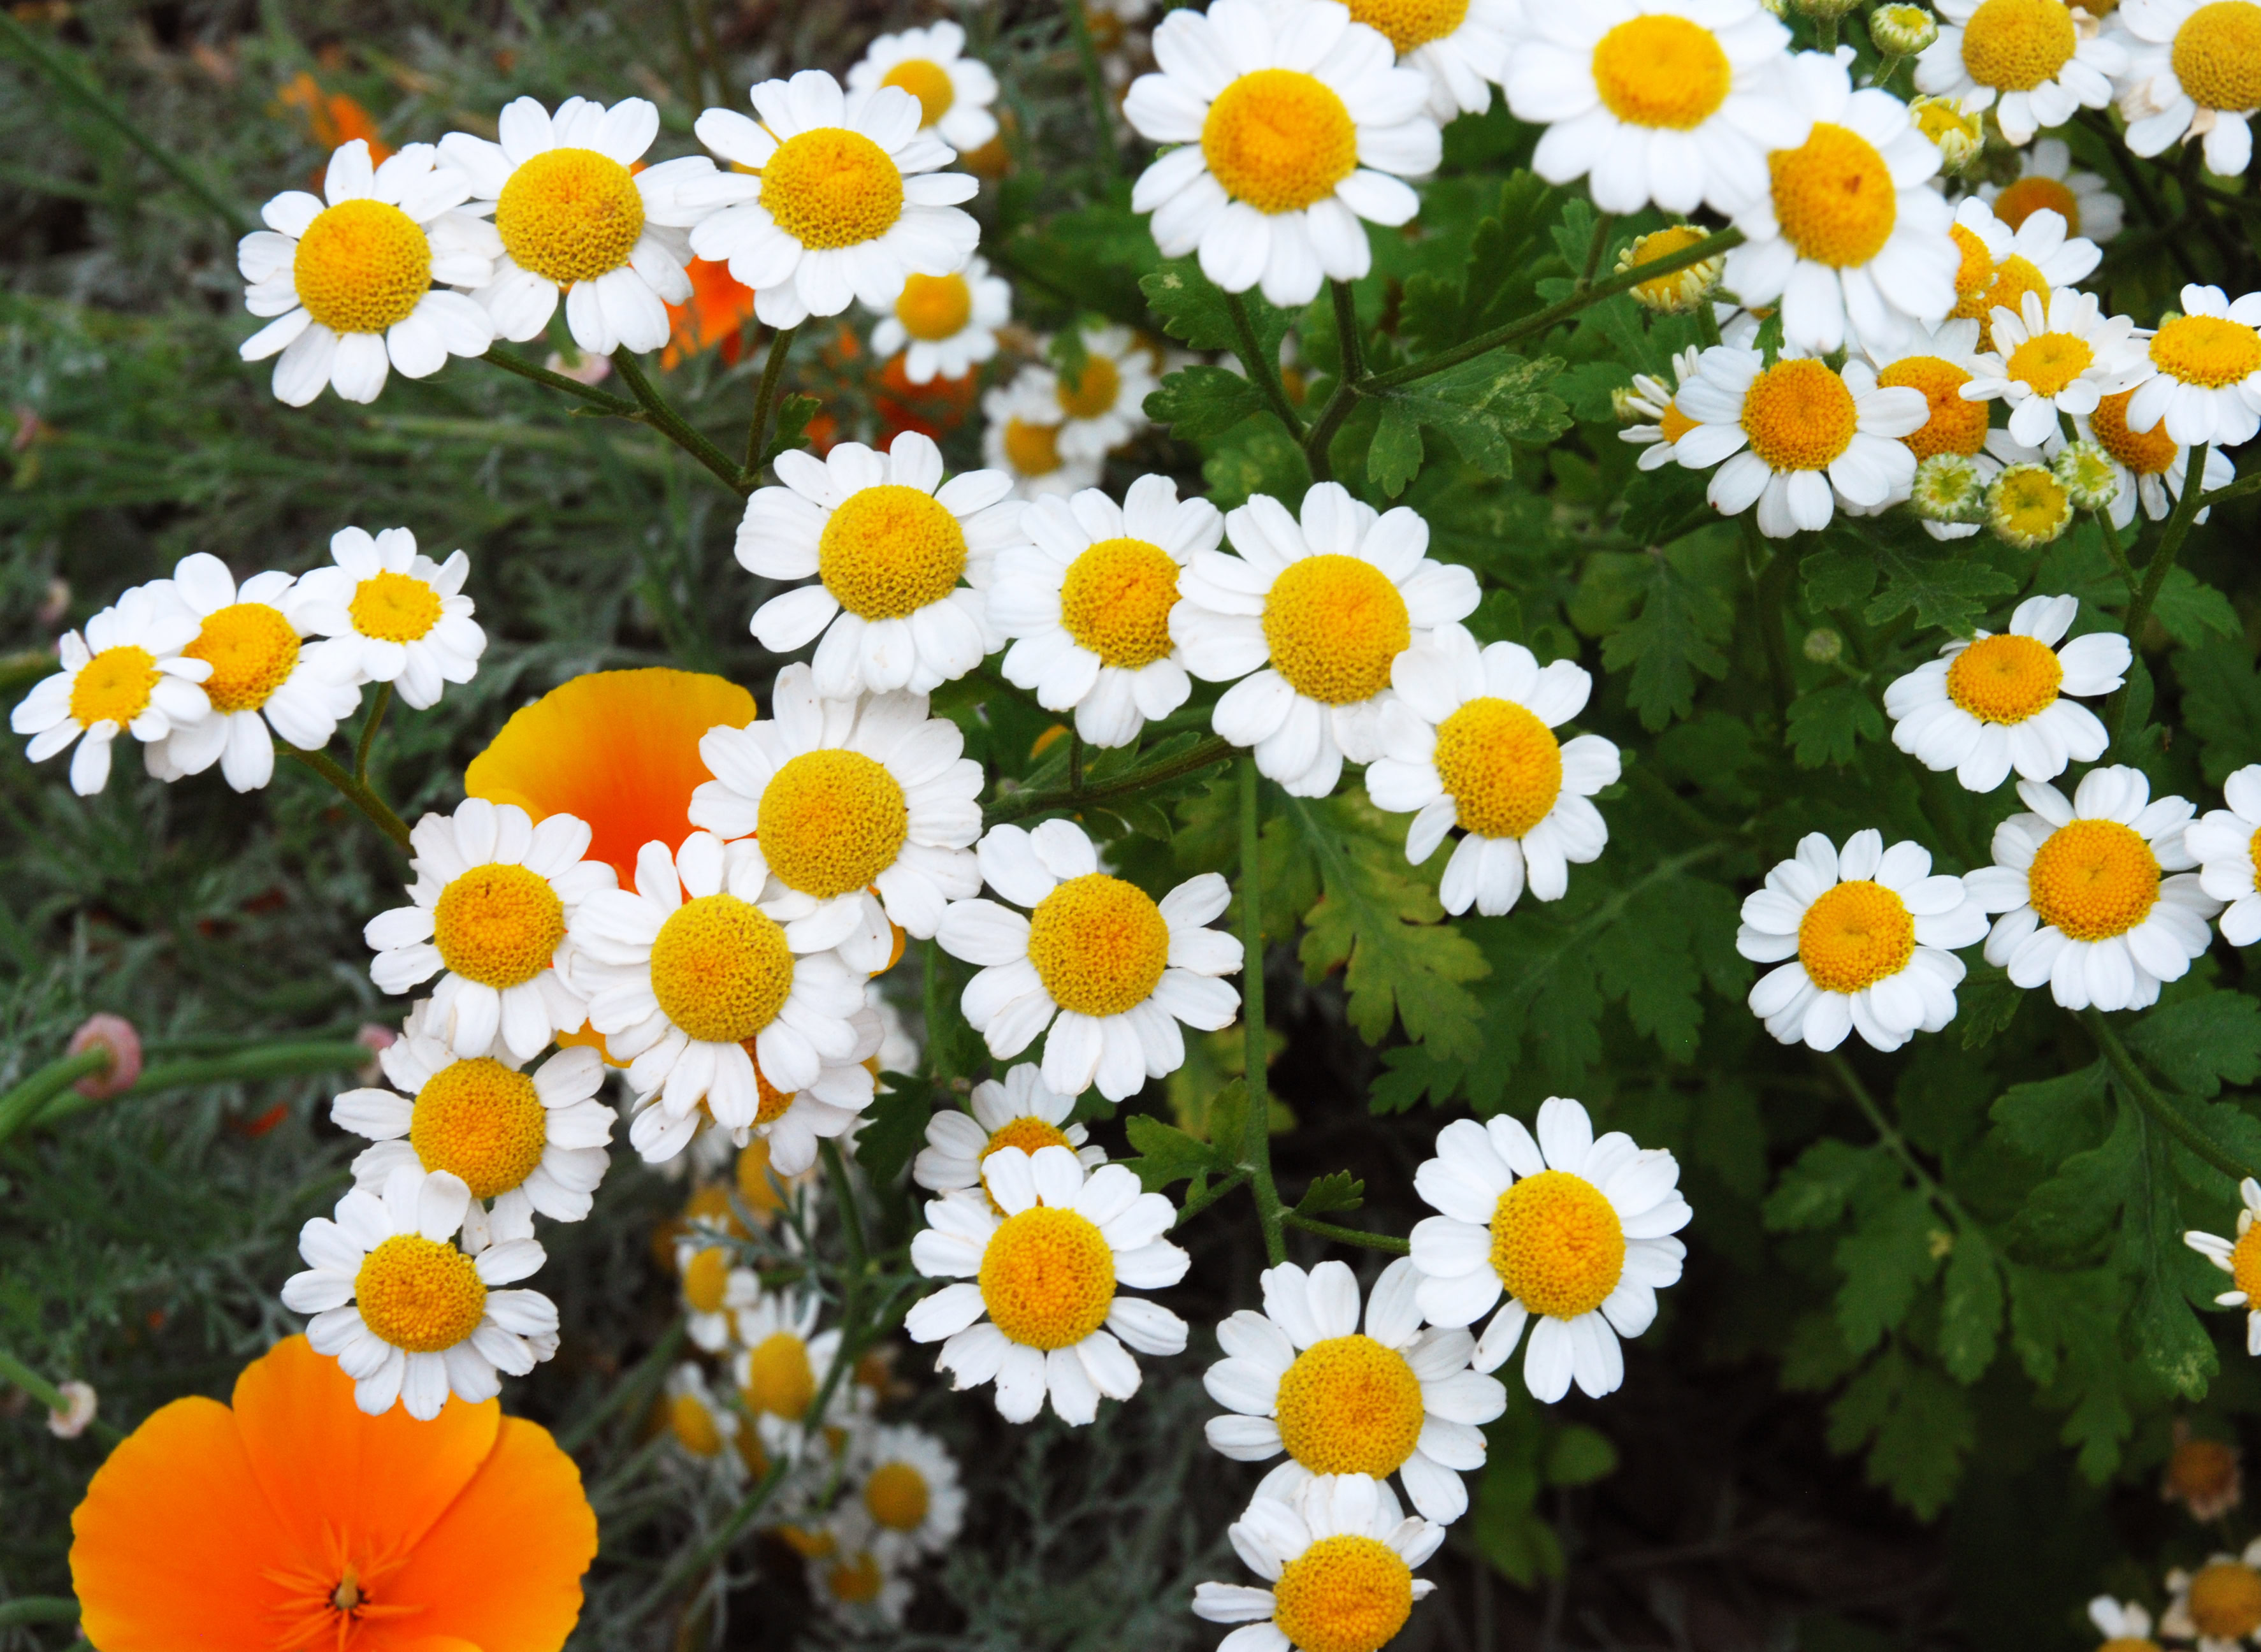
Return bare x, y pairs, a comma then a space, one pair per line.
2210, 350
1099, 945
2048, 362
780, 1381
694, 1426
857, 1581
1956, 426
2034, 193
1673, 423
2245, 1274
832, 188
1279, 139
1500, 764
1662, 70
2027, 506
935, 307
1031, 450
252, 651
928, 82
1409, 24
706, 1277
1854, 935
1334, 625
2147, 452
1556, 1244
1117, 600
2016, 45
1665, 291
2225, 1600
1048, 1277
1093, 391
896, 1496
2005, 678
1974, 274
2202, 1468
394, 608
721, 969
890, 551
1943, 121
362, 266
831, 821
1799, 415
1343, 1594
2092, 879
1833, 197
2007, 290
113, 686
569, 215
1349, 1405
2217, 55
478, 1120
420, 1294
498, 925
753, 1170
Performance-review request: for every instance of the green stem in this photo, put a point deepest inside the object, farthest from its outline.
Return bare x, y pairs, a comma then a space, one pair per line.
1350, 345
369, 728
604, 402
2155, 576
1825, 31
38, 1609
1894, 1142
1207, 754
1095, 80
643, 1376
2227, 490
757, 434
1773, 594
14, 1370
1263, 370
671, 424
1389, 1242
25, 1102
1198, 1203
250, 1063
355, 792
851, 1213
2112, 549
1595, 246
2170, 1117
1256, 1142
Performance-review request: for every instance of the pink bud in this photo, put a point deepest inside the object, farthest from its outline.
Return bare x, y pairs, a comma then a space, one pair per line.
376, 1040
115, 1034
79, 1404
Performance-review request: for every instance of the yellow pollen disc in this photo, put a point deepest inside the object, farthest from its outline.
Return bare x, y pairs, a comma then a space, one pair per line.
2048, 362
721, 969
779, 1379
1673, 423
1409, 24
1334, 625
2225, 1601
753, 1168
857, 1581
1093, 390
935, 307
896, 1496
1501, 766
1099, 945
2005, 679
1662, 70
1956, 426
1854, 935
1833, 197
1279, 139
113, 686
2217, 55
708, 1207
2034, 194
1659, 291
2210, 350
1031, 450
706, 1277
2012, 281
2031, 503
362, 266
498, 925
1974, 274
1556, 1244
831, 821
393, 607
1349, 1405
418, 1294
2147, 452
252, 651
694, 1426
2092, 879
2016, 45
569, 215
774, 1103
928, 82
1942, 121
1343, 1594
1799, 415
832, 188
478, 1120
890, 551
1115, 601
2245, 1264
1048, 1277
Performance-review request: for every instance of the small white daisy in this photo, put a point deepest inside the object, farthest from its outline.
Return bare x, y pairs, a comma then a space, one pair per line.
2032, 62
907, 1499
1939, 361
2118, 1622
2047, 179
2064, 359
1019, 1112
1020, 438
126, 675
954, 91
2218, 1606
1655, 402
1460, 45
2240, 1259
1106, 404
2207, 380
703, 1424
789, 1124
1999, 263
393, 615
855, 1586
2223, 844
715, 1288
1338, 1562
945, 326
2152, 465
781, 1366
2193, 71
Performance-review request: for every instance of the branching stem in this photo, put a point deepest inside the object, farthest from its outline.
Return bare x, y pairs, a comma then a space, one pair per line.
357, 793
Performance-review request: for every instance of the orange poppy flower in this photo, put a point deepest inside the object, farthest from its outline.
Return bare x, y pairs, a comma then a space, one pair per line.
716, 315
933, 409
331, 118
293, 1521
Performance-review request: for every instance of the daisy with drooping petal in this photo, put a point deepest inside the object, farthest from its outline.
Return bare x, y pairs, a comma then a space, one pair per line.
1470, 742
2032, 62
1044, 1260
393, 615
128, 674
1996, 265
910, 1502
2193, 71
407, 1315
1021, 438
2046, 180
1939, 362
2151, 465
2219, 1605
1019, 1112
945, 326
1656, 402
715, 1288
1290, 123
2064, 359
2126, 1627
2085, 902
1118, 969
1575, 1233
1995, 703
1103, 405
954, 91
703, 1425
1087, 601
781, 1366
1460, 45
886, 541
2240, 1260
1338, 1562
789, 1123
2205, 385
2223, 844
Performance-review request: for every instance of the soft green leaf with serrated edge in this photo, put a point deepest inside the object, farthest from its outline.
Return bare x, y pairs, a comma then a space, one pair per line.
1970, 1308
1198, 402
1337, 1190
1826, 724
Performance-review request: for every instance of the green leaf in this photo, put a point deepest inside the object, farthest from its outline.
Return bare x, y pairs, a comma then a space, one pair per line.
1828, 1175
2051, 1120
1395, 458
2065, 1216
1837, 578
1985, 1005
1825, 724
2191, 611
1580, 1456
1167, 1154
1506, 255
1970, 1308
1663, 503
1588, 388
1944, 589
2200, 1043
1484, 405
1678, 634
1337, 1190
1199, 402
898, 1115
1918, 1427
1891, 1255
1194, 311
2222, 706
793, 416
1257, 455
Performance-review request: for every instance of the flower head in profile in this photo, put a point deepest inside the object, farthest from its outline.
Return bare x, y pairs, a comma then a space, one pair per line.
129, 673
2033, 63
1018, 1111
954, 91
2047, 180
2223, 843
1020, 438
2206, 382
2193, 71
945, 326
2219, 1605
393, 615
1656, 405
1338, 1564
2062, 357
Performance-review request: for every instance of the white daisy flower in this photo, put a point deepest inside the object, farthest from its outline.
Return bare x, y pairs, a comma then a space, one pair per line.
1046, 1258
1300, 1377
1290, 123
1106, 406
784, 1360
2207, 385
855, 1586
2151, 465
715, 1289
393, 615
1118, 969
846, 200
1088, 601
1994, 703
1460, 45
1574, 1232
2219, 1605
1940, 361
945, 326
2047, 180
127, 674
789, 1124
1310, 616
2193, 71
1018, 1112
885, 541
1997, 264
907, 1501
2239, 1258
954, 91
2032, 62
408, 1315
2085, 902
1471, 742
1338, 1562
2223, 844
704, 1424
2121, 1622
2064, 359
349, 281
1020, 438
1653, 401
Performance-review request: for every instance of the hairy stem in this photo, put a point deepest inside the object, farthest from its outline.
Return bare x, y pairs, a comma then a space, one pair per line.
1208, 753
1352, 345
602, 400
370, 725
2155, 576
1389, 1242
2170, 1117
1263, 369
355, 792
671, 424
14, 1370
757, 434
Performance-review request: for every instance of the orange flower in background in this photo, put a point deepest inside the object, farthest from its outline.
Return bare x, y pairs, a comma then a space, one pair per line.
331, 118
932, 409
294, 1521
716, 315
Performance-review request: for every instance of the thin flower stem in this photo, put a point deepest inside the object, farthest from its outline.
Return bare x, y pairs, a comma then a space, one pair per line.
1198, 1203
1352, 345
628, 1391
1263, 370
1095, 79
14, 1370
2112, 549
757, 434
355, 792
851, 1212
1256, 1143
2155, 576
369, 728
25, 1101
603, 401
2170, 1117
670, 424
1773, 594
1391, 1242
1207, 754
1595, 246
1928, 1184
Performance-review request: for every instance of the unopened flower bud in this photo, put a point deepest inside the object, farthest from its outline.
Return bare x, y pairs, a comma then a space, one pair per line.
1902, 30
1957, 134
2090, 476
1947, 488
116, 1035
1682, 289
2027, 506
1823, 644
78, 1409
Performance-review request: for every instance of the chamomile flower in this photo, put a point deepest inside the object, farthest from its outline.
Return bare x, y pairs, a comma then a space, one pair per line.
2239, 1258
1088, 599
945, 326
1682, 289
1959, 135
2047, 180
1470, 742
2086, 900
1995, 703
1460, 45
128, 674
2153, 466
2205, 385
908, 1502
2125, 1625
1018, 1112
1301, 1377
2223, 843
1044, 1261
1284, 124
847, 199
1939, 361
1111, 971
856, 1587
782, 1366
2193, 71
703, 1425
409, 1316
954, 91
393, 615
2032, 62
789, 1123
2065, 358
1663, 425
888, 541
1020, 438
715, 1288
349, 279
1999, 263
1338, 1563
1103, 405
2219, 1605
1575, 1233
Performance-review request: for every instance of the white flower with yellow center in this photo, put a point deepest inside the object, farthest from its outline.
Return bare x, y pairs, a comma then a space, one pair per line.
1674, 102
2219, 1605
2239, 1258
1576, 1233
1118, 969
2032, 62
715, 1289
1994, 703
1939, 361
854, 1585
945, 326
2224, 843
2047, 180
1460, 45
128, 674
954, 91
1046, 1258
2152, 465
1103, 405
846, 200
1850, 237
2085, 902
781, 1369
703, 1425
887, 542
2193, 71
1997, 263
1019, 1112
349, 280
2125, 1625
2206, 384
2063, 359
394, 615
1338, 1563
1087, 600
1653, 400
787, 1123
408, 1315
1471, 742
1310, 617
907, 1501
862, 812
1290, 123
1300, 1377
1020, 438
